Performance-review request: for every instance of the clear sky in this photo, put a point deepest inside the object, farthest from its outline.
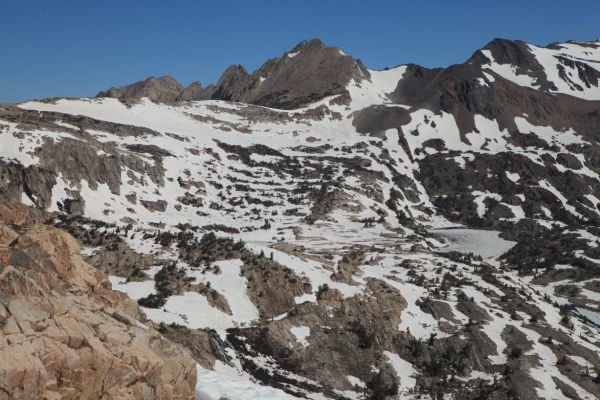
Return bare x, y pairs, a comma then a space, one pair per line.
56, 48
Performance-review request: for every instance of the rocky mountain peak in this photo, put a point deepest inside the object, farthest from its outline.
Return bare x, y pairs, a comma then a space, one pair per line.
232, 84
308, 44
504, 51
309, 72
164, 89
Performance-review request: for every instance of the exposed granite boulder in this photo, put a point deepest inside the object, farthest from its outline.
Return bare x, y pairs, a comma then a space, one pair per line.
34, 181
158, 205
377, 119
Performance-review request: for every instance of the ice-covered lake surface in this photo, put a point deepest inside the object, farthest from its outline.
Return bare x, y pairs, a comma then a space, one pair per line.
487, 244
592, 316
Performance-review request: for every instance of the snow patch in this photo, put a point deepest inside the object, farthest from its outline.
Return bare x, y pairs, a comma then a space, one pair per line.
301, 333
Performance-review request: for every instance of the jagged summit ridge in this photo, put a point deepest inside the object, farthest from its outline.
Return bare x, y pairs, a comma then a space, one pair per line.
312, 71
308, 72
164, 89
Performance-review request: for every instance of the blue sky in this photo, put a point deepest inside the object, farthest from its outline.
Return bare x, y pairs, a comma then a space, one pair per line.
76, 48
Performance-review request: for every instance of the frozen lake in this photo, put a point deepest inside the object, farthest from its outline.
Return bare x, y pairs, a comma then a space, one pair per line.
487, 244
592, 316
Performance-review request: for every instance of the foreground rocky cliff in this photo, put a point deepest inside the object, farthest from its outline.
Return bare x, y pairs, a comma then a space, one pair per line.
64, 334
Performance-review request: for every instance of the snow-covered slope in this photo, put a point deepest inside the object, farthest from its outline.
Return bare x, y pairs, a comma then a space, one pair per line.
571, 68
297, 252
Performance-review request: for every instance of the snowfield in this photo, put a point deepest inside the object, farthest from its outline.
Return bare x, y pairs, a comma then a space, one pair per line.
335, 249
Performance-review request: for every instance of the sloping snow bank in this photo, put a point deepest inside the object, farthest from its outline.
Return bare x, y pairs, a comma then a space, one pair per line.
228, 383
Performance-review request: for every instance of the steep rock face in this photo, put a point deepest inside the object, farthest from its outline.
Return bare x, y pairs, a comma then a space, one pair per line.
195, 91
65, 334
302, 76
37, 183
234, 82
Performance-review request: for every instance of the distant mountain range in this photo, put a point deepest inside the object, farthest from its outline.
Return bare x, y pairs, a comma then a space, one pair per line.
321, 230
